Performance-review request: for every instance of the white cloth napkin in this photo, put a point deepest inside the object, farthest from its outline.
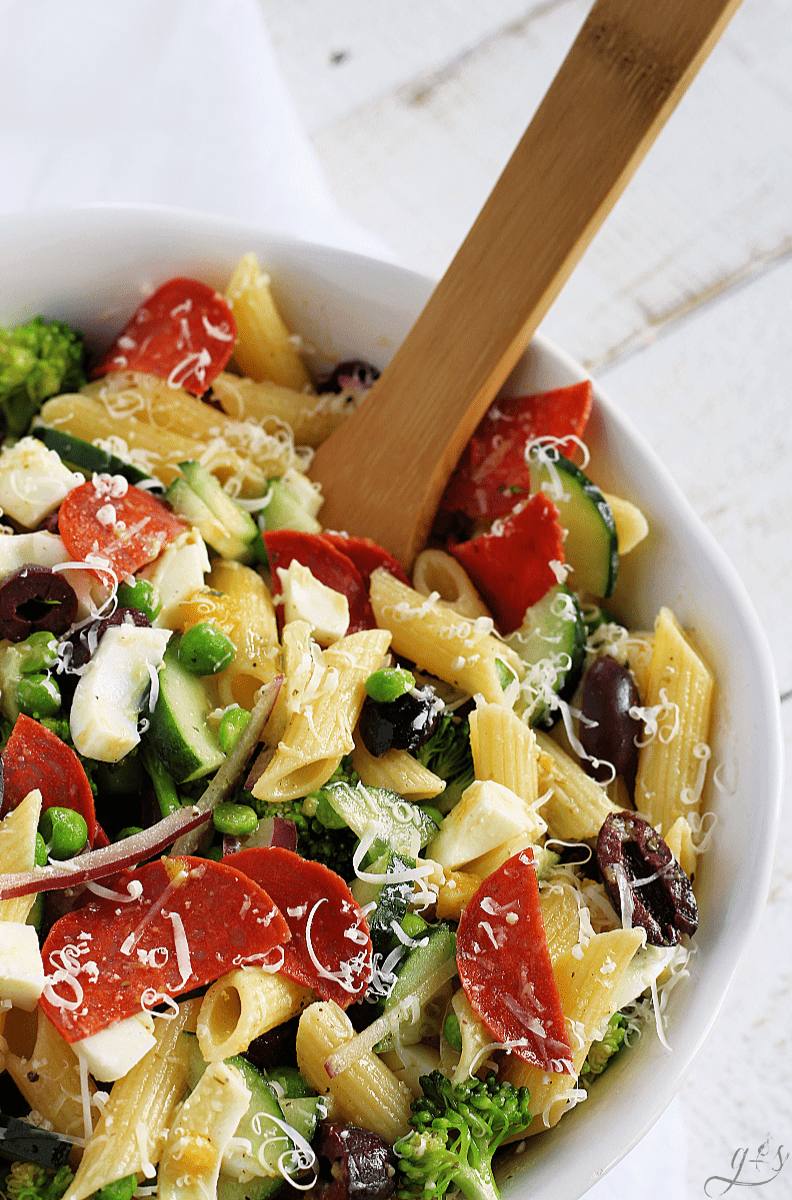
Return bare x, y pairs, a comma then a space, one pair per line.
180, 103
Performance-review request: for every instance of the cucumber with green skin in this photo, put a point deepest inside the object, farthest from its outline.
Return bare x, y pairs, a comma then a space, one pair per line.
551, 642
188, 504
178, 732
433, 948
403, 826
591, 547
90, 459
238, 523
391, 899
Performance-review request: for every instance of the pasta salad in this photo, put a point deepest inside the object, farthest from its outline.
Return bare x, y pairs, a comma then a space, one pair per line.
315, 873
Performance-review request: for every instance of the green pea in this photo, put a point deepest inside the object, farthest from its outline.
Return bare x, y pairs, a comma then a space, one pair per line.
119, 1189
38, 696
234, 819
64, 831
205, 649
232, 726
141, 595
389, 683
41, 857
39, 652
452, 1033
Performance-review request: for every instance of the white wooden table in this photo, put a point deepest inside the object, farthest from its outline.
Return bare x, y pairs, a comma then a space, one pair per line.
681, 307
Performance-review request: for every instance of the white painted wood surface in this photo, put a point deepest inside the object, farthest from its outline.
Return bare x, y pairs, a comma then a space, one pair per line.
681, 307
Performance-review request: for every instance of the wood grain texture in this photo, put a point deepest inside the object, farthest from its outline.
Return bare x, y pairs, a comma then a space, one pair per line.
384, 471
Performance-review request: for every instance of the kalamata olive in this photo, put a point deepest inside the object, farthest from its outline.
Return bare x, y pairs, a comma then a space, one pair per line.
276, 1048
35, 599
657, 890
401, 724
608, 693
354, 375
88, 638
362, 1164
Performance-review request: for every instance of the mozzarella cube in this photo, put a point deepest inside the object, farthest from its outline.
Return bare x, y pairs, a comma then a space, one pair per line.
110, 693
21, 968
111, 1052
177, 573
306, 598
487, 815
33, 481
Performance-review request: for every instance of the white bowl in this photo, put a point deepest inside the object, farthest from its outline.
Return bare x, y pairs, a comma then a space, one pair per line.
92, 266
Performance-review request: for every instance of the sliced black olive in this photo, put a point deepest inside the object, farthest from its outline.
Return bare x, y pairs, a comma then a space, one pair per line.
607, 695
362, 1165
86, 640
401, 724
276, 1048
631, 851
353, 375
33, 600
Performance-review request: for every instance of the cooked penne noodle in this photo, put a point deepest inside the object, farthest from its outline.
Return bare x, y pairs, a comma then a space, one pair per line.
18, 851
398, 771
576, 806
436, 571
310, 418
631, 525
505, 750
241, 1006
133, 1128
679, 840
439, 640
587, 986
455, 893
49, 1079
319, 731
265, 349
561, 916
672, 761
367, 1094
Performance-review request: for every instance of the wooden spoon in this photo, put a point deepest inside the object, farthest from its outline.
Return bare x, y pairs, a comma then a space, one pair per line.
384, 470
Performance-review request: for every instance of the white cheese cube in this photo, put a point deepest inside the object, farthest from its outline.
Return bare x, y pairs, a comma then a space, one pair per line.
21, 968
112, 1052
33, 481
177, 573
110, 693
306, 598
47, 550
487, 815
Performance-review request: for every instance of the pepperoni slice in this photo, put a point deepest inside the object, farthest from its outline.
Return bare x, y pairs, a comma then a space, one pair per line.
116, 525
366, 555
511, 568
327, 564
330, 947
492, 474
184, 333
504, 966
35, 757
193, 921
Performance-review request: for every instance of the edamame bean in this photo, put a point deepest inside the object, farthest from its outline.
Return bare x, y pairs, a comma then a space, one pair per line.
64, 831
38, 653
237, 820
231, 728
389, 683
452, 1033
38, 696
205, 649
141, 595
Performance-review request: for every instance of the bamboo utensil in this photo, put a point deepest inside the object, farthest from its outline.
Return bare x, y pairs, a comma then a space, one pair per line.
384, 470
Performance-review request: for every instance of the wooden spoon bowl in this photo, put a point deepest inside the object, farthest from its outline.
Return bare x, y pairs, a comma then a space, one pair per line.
384, 470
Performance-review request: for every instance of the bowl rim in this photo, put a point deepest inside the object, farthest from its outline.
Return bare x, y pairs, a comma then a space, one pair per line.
40, 224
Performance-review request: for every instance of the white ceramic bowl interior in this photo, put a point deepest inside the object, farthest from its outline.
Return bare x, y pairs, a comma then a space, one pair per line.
92, 266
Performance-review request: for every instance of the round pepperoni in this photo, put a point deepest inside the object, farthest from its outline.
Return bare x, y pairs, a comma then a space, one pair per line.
35, 757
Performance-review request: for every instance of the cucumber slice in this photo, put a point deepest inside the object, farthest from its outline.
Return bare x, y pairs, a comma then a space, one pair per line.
89, 458
304, 1113
237, 522
551, 642
404, 827
178, 733
436, 946
591, 547
294, 502
391, 899
188, 504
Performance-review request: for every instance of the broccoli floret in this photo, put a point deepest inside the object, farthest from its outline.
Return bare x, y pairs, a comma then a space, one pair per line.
456, 1131
37, 360
332, 846
27, 1181
447, 753
601, 1052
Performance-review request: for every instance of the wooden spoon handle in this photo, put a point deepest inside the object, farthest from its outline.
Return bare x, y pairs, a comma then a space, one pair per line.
384, 470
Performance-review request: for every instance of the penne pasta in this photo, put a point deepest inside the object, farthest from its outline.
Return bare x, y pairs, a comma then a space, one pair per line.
398, 771
576, 806
436, 571
241, 1006
505, 750
265, 349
